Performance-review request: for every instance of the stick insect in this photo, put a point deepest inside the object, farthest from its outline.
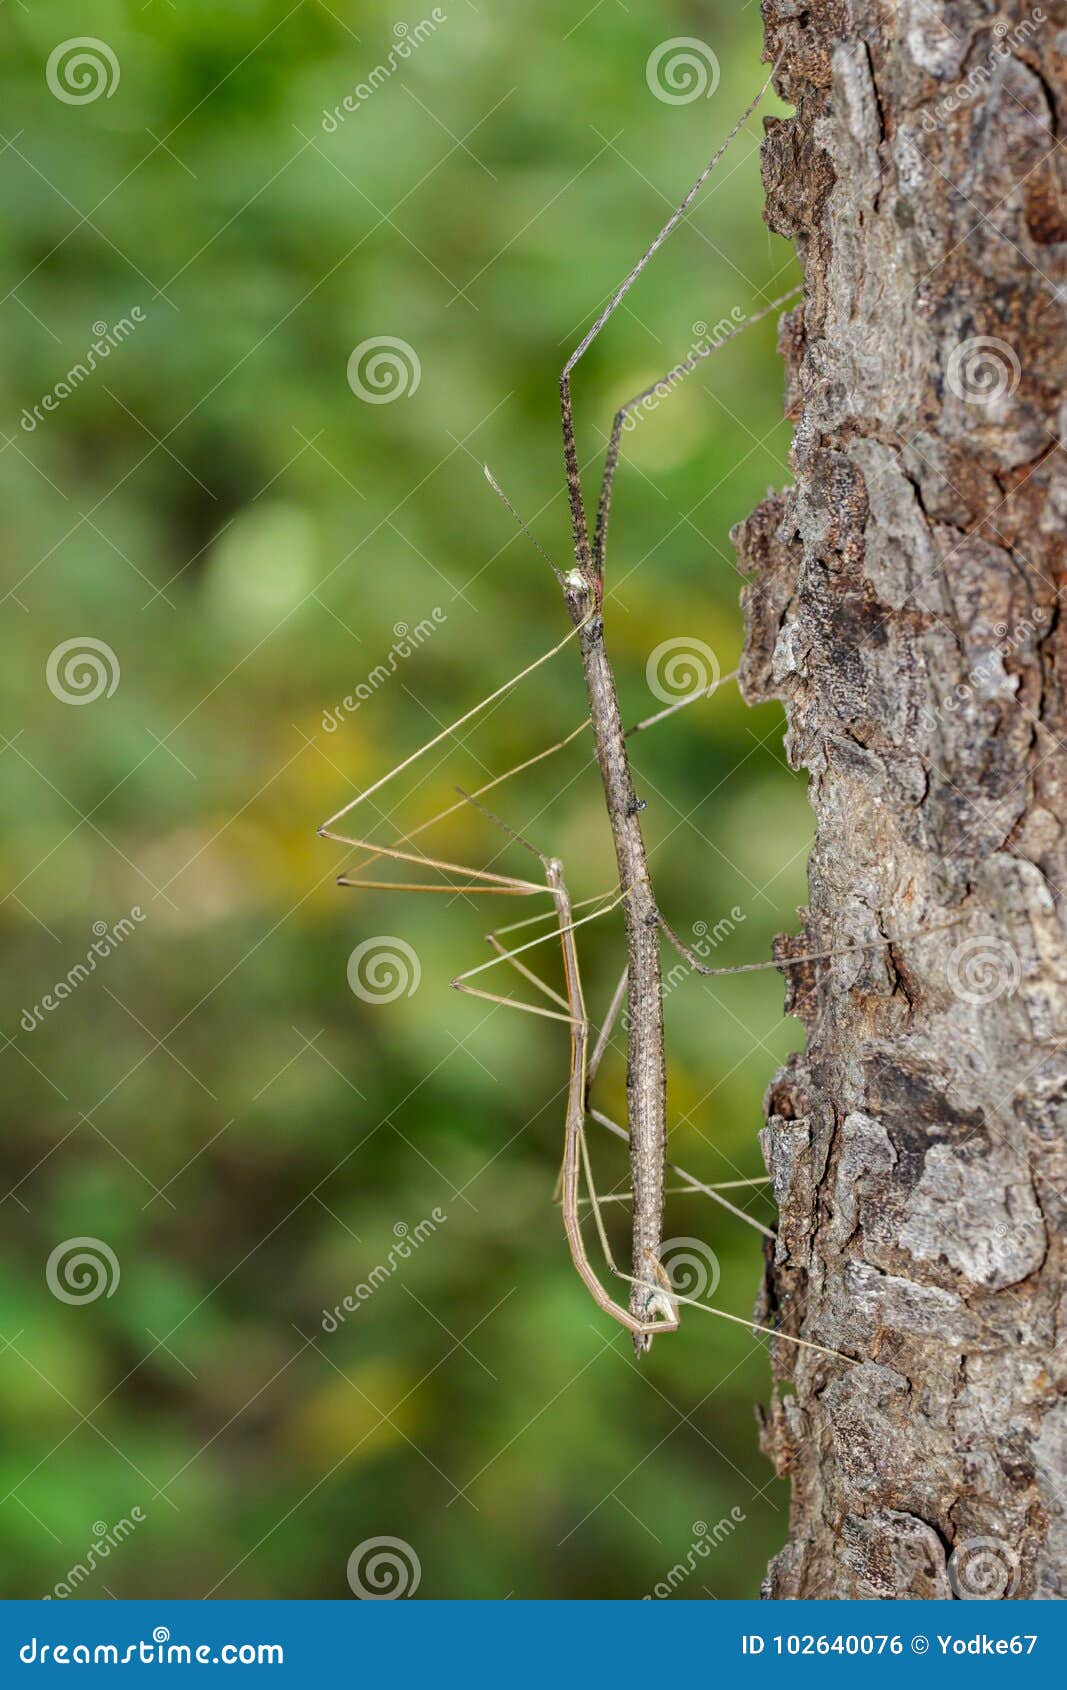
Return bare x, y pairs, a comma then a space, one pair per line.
654, 1305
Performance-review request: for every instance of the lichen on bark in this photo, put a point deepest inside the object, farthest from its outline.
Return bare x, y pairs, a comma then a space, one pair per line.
903, 601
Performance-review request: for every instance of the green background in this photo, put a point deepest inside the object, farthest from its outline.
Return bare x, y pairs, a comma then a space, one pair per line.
217, 506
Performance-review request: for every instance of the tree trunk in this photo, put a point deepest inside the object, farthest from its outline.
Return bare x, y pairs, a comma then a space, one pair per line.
903, 603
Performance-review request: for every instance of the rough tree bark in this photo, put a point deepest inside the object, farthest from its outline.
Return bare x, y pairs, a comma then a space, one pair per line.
904, 604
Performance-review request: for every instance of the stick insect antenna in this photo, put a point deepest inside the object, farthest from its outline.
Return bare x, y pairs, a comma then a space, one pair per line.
670, 381
570, 451
523, 524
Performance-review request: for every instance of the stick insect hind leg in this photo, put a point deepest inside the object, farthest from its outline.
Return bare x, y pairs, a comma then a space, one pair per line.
659, 1302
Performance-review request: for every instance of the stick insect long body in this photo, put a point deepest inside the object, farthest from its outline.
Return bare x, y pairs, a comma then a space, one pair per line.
646, 1074
653, 1304
583, 590
661, 1303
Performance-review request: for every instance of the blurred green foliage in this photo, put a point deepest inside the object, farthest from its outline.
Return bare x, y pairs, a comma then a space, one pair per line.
217, 506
